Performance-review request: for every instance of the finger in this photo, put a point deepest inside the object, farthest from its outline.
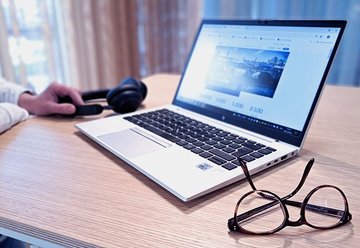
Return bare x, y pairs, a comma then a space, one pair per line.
76, 97
63, 108
63, 90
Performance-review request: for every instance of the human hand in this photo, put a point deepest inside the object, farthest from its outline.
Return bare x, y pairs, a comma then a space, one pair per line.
47, 103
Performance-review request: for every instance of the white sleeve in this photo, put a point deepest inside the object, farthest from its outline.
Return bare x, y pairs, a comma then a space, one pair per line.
10, 92
11, 114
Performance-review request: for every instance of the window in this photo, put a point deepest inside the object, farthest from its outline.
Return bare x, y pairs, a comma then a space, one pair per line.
33, 41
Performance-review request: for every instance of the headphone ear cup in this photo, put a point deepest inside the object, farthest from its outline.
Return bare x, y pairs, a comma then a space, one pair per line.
139, 84
128, 96
124, 98
143, 90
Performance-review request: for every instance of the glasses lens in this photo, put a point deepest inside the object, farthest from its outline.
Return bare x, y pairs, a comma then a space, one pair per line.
260, 212
325, 207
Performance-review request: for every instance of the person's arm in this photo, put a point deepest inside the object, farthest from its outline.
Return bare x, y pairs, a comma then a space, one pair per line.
16, 102
46, 103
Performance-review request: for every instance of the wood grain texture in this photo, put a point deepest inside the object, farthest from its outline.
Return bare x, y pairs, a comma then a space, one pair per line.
59, 186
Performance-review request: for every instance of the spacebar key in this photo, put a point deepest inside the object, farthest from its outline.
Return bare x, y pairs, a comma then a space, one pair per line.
162, 134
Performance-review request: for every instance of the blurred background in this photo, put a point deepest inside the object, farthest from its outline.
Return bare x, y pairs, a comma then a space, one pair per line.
91, 44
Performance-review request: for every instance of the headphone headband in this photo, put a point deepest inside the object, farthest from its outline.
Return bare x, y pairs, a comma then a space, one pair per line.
96, 94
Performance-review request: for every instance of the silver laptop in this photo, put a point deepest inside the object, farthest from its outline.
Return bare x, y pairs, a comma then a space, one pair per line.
249, 90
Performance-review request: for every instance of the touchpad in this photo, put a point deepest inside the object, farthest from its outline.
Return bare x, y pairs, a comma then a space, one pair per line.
132, 142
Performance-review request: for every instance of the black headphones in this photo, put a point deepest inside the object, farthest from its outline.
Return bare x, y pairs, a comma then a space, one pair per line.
124, 98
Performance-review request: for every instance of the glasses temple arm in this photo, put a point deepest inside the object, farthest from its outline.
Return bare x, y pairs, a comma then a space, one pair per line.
246, 172
301, 183
303, 178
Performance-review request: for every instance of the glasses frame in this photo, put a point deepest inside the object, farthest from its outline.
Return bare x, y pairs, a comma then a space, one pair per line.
344, 214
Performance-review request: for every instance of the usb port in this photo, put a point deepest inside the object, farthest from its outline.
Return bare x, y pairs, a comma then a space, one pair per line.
283, 157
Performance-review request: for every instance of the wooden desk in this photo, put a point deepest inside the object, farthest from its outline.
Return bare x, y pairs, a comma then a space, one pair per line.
58, 188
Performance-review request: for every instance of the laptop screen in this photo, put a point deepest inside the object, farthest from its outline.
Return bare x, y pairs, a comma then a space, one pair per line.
264, 76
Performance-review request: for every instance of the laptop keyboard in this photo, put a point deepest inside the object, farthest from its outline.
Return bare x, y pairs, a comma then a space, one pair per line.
214, 144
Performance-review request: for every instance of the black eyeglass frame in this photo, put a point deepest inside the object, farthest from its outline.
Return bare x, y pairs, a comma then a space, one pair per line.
344, 214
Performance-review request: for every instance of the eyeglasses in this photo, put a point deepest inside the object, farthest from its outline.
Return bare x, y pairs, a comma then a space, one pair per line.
263, 212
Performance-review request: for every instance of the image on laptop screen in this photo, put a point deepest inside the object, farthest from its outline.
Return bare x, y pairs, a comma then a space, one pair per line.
261, 77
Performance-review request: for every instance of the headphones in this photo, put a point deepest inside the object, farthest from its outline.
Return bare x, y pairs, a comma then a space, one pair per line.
124, 98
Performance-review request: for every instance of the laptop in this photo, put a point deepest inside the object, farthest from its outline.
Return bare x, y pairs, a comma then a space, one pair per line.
249, 90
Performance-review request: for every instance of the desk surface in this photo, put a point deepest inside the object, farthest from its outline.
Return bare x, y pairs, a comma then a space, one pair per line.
58, 188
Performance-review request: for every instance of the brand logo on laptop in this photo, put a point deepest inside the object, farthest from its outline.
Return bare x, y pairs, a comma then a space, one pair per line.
204, 166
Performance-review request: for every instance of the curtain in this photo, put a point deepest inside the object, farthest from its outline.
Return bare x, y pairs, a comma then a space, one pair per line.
167, 29
108, 40
100, 38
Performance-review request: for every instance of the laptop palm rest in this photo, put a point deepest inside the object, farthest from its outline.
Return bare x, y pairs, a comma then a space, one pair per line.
133, 142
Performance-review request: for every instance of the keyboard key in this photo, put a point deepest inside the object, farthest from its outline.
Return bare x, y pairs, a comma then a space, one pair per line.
219, 146
248, 158
162, 134
190, 140
239, 141
251, 145
129, 118
234, 145
236, 162
257, 154
198, 143
271, 149
211, 142
229, 166
228, 150
197, 150
230, 137
241, 152
189, 146
209, 135
217, 160
218, 138
225, 142
205, 154
222, 154
222, 134
203, 139
181, 143
265, 151
206, 147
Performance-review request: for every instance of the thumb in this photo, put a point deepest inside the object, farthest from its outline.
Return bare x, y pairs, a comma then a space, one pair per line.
63, 108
